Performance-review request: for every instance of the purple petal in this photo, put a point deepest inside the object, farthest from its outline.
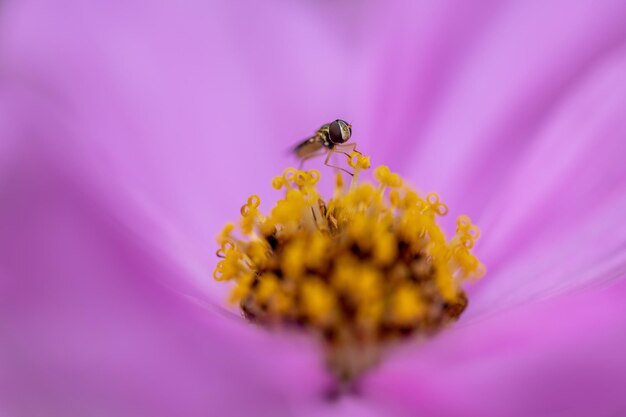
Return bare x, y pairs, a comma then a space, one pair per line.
507, 84
180, 106
98, 315
119, 164
514, 113
559, 223
563, 357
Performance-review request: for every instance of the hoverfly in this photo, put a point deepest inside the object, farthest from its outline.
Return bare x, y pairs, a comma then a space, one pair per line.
328, 139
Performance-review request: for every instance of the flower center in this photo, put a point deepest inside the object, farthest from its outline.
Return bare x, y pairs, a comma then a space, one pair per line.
363, 270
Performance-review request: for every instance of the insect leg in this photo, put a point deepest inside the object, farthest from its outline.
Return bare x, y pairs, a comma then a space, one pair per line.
330, 152
351, 146
310, 156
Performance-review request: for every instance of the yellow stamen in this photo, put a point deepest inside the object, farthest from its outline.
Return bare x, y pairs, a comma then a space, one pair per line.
362, 270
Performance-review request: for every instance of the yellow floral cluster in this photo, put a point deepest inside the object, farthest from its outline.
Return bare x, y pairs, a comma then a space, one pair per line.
367, 267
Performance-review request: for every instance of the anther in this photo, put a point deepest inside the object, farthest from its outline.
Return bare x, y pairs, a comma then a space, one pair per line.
363, 270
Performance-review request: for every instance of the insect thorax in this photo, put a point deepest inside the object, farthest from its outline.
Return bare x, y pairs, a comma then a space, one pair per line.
324, 134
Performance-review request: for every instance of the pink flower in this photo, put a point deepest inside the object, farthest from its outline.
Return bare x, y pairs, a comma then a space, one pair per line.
131, 131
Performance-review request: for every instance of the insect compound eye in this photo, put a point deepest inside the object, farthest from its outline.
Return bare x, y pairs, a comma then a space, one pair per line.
334, 132
346, 130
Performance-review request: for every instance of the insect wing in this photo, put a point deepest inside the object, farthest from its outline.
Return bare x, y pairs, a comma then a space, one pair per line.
308, 146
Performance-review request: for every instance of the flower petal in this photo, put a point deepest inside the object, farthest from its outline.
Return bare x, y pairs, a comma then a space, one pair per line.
514, 114
562, 357
97, 315
558, 224
181, 106
507, 83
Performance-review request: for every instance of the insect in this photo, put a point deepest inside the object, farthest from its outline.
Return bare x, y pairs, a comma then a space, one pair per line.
328, 139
